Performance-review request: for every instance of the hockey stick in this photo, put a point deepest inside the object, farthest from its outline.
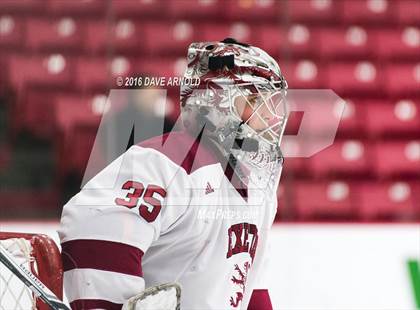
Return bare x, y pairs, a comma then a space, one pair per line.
31, 281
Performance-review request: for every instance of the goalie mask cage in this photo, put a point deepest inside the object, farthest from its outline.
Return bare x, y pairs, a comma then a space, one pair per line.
39, 254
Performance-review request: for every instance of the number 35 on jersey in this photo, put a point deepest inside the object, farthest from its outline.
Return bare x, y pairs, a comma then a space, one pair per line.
150, 199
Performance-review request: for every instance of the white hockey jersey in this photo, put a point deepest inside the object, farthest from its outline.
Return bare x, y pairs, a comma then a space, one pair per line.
166, 213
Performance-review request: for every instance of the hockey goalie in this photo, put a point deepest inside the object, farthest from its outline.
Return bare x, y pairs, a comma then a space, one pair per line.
192, 207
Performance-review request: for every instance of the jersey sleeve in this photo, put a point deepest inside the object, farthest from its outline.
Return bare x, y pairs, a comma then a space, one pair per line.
257, 295
108, 226
260, 296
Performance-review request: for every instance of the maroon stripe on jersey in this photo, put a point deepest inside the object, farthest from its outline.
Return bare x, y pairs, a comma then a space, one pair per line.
102, 255
260, 300
86, 304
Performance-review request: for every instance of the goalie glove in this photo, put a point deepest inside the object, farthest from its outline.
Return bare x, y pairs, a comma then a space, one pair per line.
163, 297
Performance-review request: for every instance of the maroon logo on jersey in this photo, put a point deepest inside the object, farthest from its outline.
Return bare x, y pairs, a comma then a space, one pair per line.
240, 281
243, 237
209, 189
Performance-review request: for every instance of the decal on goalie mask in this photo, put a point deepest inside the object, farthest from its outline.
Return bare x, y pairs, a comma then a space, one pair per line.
240, 103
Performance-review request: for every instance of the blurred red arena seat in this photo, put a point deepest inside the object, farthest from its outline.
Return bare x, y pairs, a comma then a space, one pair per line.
32, 78
207, 9
97, 37
367, 11
165, 67
253, 10
408, 12
144, 8
12, 31
34, 112
313, 10
325, 200
71, 109
293, 166
353, 42
397, 118
169, 38
76, 8
270, 37
18, 7
77, 120
362, 77
349, 157
53, 70
353, 119
397, 158
285, 202
100, 73
304, 74
299, 41
122, 36
215, 32
295, 41
394, 200
61, 34
398, 44
408, 77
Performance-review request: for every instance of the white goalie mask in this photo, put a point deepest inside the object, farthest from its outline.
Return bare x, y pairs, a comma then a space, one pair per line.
240, 103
